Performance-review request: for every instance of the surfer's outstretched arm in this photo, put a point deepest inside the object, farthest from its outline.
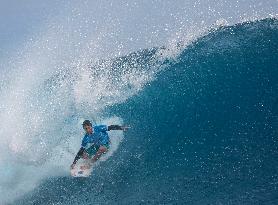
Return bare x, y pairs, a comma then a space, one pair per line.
117, 127
78, 156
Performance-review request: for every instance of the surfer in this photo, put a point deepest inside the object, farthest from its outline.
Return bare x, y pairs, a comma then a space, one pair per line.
96, 141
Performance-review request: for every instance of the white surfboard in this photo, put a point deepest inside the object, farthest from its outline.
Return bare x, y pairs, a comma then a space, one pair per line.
81, 170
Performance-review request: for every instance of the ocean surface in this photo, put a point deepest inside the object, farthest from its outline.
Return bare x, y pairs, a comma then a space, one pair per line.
204, 125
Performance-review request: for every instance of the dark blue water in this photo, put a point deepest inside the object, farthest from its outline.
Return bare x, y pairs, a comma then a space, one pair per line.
204, 132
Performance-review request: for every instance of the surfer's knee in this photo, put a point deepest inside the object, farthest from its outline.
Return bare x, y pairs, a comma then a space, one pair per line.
102, 149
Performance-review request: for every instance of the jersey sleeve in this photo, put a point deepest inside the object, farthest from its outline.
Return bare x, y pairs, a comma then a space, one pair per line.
101, 128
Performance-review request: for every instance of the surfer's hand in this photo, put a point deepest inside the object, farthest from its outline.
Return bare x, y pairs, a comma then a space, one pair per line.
72, 166
125, 127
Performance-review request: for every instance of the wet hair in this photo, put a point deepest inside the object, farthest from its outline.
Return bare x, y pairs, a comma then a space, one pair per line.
87, 122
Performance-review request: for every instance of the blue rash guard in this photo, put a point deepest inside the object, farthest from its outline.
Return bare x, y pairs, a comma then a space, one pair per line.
92, 142
98, 138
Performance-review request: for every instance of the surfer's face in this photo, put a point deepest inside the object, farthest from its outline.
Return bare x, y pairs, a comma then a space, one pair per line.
88, 129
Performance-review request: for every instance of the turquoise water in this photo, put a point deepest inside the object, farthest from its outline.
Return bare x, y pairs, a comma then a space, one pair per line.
204, 131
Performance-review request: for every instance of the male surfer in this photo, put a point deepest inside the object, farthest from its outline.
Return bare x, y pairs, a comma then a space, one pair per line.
96, 141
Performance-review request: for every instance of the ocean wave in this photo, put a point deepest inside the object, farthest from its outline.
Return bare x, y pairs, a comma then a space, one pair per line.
203, 112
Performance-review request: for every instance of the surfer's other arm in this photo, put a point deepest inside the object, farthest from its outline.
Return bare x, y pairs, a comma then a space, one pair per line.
117, 127
78, 155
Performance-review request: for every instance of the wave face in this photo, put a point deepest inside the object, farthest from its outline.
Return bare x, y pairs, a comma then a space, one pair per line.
204, 131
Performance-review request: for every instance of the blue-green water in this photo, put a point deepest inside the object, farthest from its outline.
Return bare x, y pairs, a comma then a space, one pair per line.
204, 131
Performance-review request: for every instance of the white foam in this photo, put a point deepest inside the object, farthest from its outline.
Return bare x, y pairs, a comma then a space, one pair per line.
50, 88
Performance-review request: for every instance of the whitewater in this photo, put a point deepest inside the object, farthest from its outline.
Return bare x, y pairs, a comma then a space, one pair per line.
196, 81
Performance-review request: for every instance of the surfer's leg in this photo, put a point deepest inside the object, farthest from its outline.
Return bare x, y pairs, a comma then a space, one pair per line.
85, 155
102, 150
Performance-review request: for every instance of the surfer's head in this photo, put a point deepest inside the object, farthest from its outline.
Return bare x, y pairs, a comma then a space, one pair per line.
87, 126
